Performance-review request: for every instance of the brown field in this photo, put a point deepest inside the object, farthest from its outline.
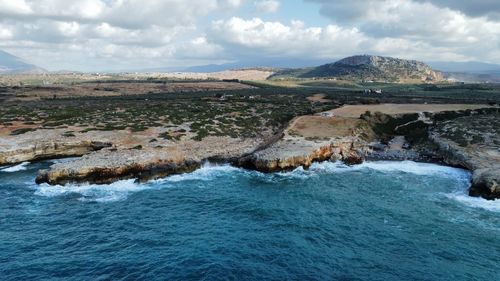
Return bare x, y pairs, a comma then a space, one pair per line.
116, 89
354, 111
322, 127
318, 98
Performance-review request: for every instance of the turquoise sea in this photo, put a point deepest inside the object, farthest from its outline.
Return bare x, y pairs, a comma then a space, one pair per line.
375, 221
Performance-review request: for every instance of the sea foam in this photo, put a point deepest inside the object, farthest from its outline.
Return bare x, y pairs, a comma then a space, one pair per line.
474, 202
17, 168
409, 167
208, 172
116, 191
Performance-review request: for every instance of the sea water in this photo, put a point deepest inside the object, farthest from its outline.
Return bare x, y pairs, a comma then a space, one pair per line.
375, 221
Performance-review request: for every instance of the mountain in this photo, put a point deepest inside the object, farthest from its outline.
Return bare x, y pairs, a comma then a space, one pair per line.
10, 64
369, 68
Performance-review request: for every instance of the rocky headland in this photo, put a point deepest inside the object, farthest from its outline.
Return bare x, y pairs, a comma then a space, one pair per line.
465, 138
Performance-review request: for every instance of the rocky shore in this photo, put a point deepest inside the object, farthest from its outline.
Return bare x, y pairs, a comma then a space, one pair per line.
453, 138
311, 139
145, 163
49, 145
473, 142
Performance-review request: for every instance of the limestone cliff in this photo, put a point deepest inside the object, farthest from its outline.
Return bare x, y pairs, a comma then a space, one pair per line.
312, 139
49, 150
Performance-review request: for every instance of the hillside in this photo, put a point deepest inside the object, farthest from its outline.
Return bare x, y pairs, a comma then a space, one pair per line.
10, 64
368, 68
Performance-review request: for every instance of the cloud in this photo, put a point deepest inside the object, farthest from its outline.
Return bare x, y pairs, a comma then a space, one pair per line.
134, 34
5, 33
267, 6
255, 36
476, 8
118, 29
422, 22
9, 7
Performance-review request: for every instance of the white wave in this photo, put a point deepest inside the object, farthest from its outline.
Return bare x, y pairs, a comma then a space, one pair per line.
93, 192
383, 166
415, 168
120, 190
206, 173
475, 202
17, 168
409, 167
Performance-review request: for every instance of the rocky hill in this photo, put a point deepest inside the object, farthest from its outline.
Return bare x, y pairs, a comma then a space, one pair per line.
369, 68
10, 64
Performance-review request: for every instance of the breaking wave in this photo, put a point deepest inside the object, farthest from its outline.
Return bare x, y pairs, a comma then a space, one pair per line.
92, 192
409, 167
17, 168
209, 172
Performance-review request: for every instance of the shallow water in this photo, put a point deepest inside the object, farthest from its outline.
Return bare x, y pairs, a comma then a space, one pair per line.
376, 221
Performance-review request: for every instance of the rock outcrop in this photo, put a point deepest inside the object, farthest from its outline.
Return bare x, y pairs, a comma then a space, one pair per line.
291, 154
145, 163
486, 183
312, 139
49, 150
472, 142
109, 166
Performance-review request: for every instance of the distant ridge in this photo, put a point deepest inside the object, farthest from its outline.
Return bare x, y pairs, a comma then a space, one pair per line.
369, 68
10, 64
465, 67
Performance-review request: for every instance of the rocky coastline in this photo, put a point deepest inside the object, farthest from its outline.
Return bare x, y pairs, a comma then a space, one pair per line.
307, 139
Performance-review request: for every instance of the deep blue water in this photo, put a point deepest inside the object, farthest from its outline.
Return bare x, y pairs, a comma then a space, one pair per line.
377, 221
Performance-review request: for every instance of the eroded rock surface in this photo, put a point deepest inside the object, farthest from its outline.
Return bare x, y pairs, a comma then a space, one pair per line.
145, 163
311, 139
44, 144
473, 142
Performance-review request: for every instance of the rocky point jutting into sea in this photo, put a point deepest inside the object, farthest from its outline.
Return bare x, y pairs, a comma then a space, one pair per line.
465, 138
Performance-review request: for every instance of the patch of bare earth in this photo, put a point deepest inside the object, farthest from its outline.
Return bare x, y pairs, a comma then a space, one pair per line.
354, 111
109, 89
322, 127
318, 98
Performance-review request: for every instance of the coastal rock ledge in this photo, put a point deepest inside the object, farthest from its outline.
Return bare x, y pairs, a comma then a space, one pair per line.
312, 139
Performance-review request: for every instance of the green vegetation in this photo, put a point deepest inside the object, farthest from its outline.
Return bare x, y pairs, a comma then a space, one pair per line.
472, 130
236, 113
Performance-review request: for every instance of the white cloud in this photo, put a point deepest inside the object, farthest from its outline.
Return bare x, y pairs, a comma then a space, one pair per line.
5, 33
449, 32
136, 30
19, 7
274, 38
136, 33
267, 6
229, 4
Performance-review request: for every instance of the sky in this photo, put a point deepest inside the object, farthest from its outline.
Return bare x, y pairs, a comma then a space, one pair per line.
97, 35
